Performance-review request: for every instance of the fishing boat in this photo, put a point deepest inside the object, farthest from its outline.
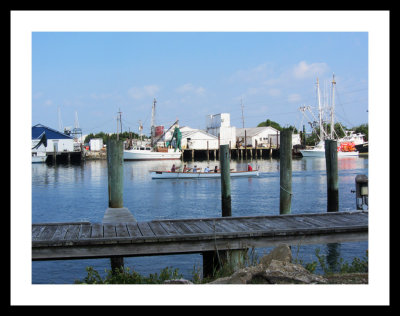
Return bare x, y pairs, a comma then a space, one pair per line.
346, 145
38, 156
158, 174
344, 150
153, 151
149, 153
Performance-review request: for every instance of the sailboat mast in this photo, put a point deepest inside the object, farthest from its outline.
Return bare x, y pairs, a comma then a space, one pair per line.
153, 114
321, 135
333, 107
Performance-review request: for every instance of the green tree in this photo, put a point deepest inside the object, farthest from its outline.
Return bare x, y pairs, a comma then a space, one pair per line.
363, 128
273, 124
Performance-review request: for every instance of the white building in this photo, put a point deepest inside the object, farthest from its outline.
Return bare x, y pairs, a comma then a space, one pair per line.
219, 125
194, 138
56, 141
264, 136
96, 144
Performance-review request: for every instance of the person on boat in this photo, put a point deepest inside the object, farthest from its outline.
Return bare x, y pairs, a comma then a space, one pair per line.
185, 169
195, 169
249, 168
216, 169
173, 168
207, 169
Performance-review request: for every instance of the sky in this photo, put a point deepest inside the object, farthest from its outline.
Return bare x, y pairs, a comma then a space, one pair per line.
92, 76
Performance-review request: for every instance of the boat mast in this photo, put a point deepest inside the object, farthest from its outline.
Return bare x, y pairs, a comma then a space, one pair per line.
321, 135
333, 107
153, 114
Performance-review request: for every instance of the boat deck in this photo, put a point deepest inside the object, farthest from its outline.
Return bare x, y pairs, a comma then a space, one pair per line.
77, 240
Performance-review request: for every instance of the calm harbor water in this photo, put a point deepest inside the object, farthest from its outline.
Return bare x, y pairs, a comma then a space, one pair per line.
78, 192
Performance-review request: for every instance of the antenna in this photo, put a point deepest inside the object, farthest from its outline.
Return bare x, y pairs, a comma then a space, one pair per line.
120, 118
60, 125
241, 103
76, 120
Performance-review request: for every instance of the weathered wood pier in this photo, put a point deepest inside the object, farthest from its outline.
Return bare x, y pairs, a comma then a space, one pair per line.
78, 240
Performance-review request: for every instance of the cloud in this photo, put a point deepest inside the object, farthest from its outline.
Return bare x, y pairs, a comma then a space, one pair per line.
294, 97
48, 102
255, 74
190, 88
142, 92
100, 96
303, 70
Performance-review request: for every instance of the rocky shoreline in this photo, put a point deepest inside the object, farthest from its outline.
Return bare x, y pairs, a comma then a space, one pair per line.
277, 268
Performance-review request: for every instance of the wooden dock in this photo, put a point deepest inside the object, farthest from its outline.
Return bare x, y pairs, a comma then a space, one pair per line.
78, 240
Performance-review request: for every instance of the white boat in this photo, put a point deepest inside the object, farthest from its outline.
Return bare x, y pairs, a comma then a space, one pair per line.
153, 152
319, 151
158, 174
38, 156
148, 153
346, 145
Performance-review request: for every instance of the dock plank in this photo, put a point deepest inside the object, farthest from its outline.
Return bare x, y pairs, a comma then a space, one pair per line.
169, 228
133, 230
72, 232
121, 230
97, 230
145, 229
60, 232
157, 229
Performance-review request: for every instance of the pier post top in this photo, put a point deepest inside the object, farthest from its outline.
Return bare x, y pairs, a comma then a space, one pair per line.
118, 215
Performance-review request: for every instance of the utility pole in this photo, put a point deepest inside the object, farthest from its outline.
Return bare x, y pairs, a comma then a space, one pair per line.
241, 103
60, 125
333, 107
120, 119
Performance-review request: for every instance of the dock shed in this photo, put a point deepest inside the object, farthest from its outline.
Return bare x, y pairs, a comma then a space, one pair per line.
56, 141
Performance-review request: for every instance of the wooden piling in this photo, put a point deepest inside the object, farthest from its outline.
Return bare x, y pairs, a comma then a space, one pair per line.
332, 179
115, 189
225, 180
115, 173
214, 260
285, 171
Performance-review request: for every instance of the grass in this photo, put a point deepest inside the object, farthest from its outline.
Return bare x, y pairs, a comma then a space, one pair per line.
128, 276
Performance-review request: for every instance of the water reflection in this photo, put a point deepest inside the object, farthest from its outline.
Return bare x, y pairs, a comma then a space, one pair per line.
71, 192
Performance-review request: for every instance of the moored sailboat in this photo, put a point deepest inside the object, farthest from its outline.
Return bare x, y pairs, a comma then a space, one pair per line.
346, 146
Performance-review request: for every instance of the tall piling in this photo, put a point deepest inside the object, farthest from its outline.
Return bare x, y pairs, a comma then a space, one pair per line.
285, 166
115, 173
116, 212
225, 180
213, 260
332, 179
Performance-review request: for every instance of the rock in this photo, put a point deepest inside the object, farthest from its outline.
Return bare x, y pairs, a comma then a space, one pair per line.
274, 268
281, 253
241, 276
178, 281
279, 272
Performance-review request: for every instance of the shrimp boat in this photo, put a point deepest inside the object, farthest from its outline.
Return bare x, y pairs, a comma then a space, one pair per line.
153, 152
344, 150
156, 174
346, 146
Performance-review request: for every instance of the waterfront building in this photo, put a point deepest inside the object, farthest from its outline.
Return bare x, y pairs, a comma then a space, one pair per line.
56, 141
219, 125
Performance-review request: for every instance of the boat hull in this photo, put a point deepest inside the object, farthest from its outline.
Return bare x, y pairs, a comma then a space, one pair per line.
321, 153
39, 157
150, 155
199, 175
